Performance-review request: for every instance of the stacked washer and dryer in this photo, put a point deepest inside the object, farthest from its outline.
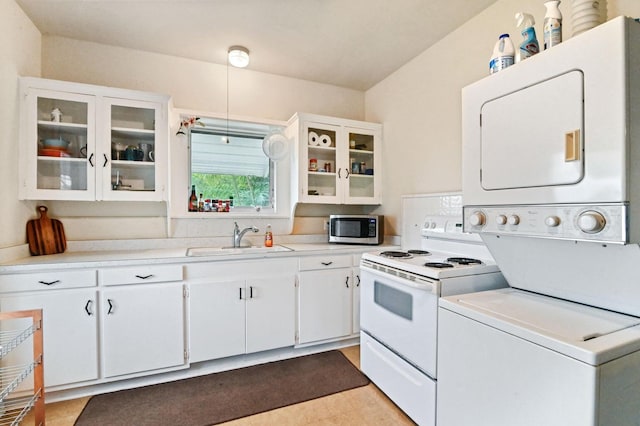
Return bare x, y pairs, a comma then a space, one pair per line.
551, 182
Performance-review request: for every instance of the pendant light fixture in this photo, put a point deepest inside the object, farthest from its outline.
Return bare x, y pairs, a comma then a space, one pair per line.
239, 56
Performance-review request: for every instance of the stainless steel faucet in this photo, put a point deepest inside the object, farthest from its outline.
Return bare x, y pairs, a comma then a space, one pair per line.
238, 234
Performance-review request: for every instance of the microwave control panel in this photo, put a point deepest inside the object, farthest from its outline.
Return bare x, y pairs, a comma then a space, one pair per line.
601, 223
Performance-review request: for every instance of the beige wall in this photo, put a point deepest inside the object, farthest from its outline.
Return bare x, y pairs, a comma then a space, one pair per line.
19, 54
196, 85
420, 104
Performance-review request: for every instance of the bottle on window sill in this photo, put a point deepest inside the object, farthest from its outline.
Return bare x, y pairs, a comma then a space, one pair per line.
268, 237
193, 200
201, 203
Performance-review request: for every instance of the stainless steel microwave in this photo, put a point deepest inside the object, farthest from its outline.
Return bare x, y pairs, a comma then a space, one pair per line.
356, 229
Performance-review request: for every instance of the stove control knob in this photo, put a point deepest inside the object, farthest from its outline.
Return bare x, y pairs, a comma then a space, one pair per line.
501, 219
514, 219
591, 222
477, 219
552, 221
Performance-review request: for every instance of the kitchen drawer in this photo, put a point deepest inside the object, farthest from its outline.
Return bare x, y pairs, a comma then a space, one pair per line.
356, 259
142, 274
50, 280
325, 262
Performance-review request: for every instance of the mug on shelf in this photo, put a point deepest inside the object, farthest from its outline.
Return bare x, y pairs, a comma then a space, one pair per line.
132, 153
147, 152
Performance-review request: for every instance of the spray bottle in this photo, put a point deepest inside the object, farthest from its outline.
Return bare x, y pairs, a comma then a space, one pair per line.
552, 28
529, 45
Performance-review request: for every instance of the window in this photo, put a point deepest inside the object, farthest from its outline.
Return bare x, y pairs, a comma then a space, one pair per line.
228, 163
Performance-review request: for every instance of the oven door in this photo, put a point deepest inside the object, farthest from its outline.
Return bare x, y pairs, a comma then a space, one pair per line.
402, 315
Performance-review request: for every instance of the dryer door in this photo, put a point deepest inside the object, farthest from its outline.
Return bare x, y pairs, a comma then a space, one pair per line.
534, 137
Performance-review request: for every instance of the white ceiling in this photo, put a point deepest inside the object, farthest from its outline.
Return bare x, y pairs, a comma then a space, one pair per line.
349, 43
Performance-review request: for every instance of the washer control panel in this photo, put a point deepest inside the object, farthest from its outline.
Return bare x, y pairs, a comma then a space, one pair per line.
602, 223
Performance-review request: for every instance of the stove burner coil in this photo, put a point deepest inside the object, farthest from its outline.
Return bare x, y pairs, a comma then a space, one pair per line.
438, 265
464, 261
396, 254
419, 252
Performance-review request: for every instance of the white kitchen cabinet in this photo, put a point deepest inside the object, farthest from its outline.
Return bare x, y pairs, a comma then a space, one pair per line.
271, 312
217, 319
251, 309
73, 139
338, 160
328, 298
143, 328
69, 322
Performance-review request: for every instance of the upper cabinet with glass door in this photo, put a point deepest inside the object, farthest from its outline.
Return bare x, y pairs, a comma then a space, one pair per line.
85, 142
338, 160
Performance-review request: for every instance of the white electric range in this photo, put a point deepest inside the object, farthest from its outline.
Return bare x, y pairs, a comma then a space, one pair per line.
399, 308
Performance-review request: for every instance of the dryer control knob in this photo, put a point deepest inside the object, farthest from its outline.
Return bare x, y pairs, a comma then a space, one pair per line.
591, 222
477, 219
514, 219
552, 221
501, 219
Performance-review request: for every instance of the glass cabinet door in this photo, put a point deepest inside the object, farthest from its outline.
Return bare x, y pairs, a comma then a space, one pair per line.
130, 150
362, 156
319, 155
60, 130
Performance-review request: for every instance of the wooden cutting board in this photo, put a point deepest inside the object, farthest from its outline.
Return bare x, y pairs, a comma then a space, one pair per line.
45, 235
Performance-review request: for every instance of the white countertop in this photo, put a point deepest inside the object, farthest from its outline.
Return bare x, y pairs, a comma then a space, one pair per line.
100, 258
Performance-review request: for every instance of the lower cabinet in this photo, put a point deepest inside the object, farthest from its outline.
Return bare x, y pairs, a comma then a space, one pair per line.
142, 328
253, 313
329, 298
70, 335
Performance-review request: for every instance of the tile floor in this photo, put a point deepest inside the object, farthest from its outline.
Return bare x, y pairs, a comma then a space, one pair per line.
366, 405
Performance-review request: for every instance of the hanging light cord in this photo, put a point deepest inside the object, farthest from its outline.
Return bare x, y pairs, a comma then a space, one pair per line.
227, 101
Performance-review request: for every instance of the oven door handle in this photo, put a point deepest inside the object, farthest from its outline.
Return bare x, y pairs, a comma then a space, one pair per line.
423, 284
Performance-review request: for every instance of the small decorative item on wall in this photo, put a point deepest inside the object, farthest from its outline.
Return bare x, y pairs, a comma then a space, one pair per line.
188, 123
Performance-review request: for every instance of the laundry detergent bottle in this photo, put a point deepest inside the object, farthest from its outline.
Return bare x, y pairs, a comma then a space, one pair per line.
529, 45
503, 54
552, 27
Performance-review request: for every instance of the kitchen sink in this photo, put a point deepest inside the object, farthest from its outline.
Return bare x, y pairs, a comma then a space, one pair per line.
227, 251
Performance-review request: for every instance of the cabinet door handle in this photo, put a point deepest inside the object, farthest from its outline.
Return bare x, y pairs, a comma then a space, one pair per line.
240, 297
347, 176
347, 282
110, 302
339, 170
106, 160
358, 281
91, 159
49, 282
144, 277
250, 292
326, 263
87, 307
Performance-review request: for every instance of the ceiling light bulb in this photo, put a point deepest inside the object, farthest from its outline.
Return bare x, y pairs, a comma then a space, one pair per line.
239, 56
